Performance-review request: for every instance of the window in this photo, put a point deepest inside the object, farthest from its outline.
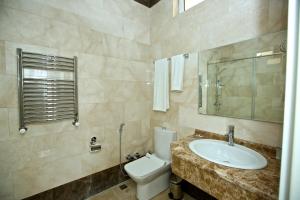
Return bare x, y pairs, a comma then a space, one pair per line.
191, 3
180, 6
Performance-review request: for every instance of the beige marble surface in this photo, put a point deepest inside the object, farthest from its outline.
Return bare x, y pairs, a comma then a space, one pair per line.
225, 182
124, 19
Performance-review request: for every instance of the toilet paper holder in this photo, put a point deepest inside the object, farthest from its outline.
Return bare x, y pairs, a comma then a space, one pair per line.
94, 146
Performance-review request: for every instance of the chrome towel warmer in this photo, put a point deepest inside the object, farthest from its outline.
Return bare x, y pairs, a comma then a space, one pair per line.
43, 100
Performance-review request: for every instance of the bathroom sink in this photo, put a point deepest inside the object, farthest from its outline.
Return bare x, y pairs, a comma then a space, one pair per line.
220, 152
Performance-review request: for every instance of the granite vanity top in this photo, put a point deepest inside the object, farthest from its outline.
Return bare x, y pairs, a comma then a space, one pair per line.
225, 182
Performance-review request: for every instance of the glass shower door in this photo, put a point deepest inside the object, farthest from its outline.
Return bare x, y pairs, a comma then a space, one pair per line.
230, 91
270, 83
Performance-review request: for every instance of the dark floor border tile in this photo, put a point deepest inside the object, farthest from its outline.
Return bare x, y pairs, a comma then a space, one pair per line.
84, 187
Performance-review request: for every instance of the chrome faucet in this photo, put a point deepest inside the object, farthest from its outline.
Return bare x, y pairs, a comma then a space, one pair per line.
230, 135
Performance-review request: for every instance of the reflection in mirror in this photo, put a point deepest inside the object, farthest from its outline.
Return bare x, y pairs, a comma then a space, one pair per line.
244, 80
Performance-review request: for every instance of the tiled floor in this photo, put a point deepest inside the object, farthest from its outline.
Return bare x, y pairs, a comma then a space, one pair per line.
115, 193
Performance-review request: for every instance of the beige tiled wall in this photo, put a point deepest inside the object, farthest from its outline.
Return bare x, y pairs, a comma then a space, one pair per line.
208, 25
116, 42
111, 40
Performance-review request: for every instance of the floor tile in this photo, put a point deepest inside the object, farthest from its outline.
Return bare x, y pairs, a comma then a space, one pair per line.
106, 195
129, 193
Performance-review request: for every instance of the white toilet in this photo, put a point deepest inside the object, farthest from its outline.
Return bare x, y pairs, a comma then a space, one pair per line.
152, 172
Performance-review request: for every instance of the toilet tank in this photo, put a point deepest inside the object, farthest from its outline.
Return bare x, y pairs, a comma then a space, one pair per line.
162, 141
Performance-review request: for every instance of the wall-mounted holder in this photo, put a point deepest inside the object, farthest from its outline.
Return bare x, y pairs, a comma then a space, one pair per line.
76, 122
94, 146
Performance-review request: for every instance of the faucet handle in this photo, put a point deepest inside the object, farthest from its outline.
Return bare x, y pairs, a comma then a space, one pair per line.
231, 135
93, 140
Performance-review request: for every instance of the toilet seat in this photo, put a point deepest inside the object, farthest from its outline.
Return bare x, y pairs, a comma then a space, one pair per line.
146, 168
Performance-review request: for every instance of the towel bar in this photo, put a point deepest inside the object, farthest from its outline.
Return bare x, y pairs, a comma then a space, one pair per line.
45, 99
186, 55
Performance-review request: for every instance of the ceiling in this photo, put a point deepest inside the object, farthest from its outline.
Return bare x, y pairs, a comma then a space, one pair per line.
148, 3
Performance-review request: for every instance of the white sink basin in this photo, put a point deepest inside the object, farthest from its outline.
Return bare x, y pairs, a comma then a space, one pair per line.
220, 152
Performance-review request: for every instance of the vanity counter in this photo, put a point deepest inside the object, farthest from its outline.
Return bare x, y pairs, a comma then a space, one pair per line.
225, 182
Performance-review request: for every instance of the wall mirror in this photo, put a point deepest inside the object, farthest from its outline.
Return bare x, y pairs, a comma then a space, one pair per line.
244, 80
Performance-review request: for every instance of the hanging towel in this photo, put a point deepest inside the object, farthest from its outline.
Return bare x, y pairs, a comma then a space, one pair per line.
161, 85
177, 73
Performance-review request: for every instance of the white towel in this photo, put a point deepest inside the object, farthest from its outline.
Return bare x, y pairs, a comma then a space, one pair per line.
177, 73
161, 86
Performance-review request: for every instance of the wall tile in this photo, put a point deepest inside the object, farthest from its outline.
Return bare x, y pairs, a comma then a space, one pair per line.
2, 57
91, 91
107, 41
106, 114
121, 19
90, 66
136, 110
4, 125
8, 91
27, 183
6, 186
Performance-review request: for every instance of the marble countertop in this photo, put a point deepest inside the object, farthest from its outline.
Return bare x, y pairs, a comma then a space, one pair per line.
225, 182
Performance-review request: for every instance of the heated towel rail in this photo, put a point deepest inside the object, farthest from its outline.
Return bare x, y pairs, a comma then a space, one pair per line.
45, 94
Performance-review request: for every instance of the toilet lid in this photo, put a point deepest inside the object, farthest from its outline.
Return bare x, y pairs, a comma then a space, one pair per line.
145, 165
